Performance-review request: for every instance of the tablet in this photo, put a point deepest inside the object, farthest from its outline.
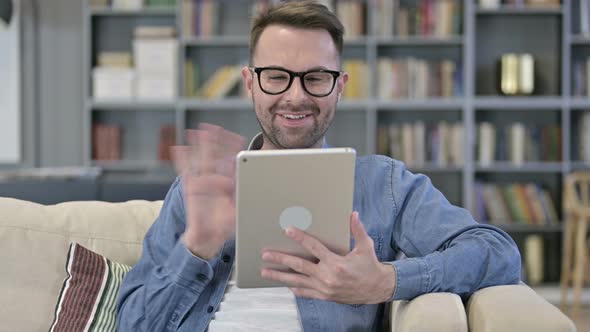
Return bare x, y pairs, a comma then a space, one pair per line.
311, 189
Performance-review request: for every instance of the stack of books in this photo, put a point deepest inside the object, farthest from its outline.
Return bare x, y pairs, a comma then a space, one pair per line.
200, 18
352, 14
358, 79
221, 83
131, 4
516, 203
155, 51
425, 18
418, 144
415, 78
518, 143
106, 142
166, 141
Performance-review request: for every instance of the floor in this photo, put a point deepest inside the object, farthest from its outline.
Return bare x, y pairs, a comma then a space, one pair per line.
552, 294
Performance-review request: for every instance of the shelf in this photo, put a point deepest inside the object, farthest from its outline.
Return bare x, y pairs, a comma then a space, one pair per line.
131, 105
521, 103
155, 11
580, 166
420, 41
579, 102
353, 105
239, 104
527, 167
231, 104
433, 104
511, 10
580, 40
132, 165
229, 41
360, 41
526, 228
433, 168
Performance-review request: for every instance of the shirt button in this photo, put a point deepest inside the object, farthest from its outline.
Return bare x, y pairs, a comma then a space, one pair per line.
201, 277
210, 309
226, 258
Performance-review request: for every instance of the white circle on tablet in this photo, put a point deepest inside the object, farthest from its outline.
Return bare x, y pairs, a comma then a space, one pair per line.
295, 216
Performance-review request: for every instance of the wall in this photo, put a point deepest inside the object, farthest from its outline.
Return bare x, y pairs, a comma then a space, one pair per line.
51, 57
10, 136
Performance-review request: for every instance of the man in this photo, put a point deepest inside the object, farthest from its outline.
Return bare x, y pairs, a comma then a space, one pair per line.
295, 83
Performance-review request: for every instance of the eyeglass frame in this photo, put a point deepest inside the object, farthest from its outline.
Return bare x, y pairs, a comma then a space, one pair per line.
292, 75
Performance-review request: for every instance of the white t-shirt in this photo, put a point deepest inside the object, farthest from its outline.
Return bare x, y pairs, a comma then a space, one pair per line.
256, 309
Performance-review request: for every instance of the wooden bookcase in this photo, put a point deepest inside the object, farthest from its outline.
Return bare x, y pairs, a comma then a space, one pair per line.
551, 35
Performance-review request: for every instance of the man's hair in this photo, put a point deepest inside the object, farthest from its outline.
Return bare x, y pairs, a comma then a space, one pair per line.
304, 14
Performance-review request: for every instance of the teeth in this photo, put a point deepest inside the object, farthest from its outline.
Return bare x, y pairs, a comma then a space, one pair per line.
290, 116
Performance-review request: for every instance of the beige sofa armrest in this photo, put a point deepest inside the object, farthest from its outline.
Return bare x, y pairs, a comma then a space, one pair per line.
514, 308
439, 312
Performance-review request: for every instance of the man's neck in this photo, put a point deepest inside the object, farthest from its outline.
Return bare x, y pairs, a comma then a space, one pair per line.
260, 142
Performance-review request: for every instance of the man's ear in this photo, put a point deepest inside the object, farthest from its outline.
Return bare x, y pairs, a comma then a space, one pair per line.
341, 83
247, 78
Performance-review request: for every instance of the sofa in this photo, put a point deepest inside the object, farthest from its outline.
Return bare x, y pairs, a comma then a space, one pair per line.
34, 242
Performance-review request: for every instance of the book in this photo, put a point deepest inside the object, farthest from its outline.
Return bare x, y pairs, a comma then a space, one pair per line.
533, 258
127, 4
509, 74
517, 143
115, 59
106, 142
486, 143
167, 139
526, 74
156, 32
221, 82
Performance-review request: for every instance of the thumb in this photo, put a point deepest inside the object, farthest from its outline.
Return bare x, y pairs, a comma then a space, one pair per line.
361, 238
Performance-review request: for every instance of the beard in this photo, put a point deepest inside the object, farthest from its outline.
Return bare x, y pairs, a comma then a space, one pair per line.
293, 138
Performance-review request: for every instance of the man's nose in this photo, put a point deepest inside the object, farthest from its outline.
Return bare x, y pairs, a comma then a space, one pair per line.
296, 91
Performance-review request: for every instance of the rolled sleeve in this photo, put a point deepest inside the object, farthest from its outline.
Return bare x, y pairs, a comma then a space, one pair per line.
412, 278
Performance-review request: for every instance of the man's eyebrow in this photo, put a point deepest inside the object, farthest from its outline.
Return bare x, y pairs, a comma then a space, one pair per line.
309, 69
318, 68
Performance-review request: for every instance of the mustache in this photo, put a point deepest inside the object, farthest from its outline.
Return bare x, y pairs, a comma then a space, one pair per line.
295, 108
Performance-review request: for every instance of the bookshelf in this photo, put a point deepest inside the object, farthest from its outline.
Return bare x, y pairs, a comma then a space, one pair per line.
474, 40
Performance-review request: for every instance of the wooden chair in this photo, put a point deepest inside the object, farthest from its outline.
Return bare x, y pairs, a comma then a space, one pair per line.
576, 206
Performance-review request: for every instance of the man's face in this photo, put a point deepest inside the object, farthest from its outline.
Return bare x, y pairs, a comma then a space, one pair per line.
280, 115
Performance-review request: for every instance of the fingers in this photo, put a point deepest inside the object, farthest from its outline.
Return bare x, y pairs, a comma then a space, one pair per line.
311, 244
207, 151
209, 185
288, 278
296, 264
180, 157
361, 238
211, 150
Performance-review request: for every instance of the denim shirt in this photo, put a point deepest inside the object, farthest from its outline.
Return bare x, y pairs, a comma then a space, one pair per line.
170, 289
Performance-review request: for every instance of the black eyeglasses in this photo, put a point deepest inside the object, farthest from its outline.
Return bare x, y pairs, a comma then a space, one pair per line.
317, 82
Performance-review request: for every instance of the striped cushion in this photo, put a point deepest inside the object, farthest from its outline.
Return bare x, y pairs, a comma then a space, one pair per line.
88, 296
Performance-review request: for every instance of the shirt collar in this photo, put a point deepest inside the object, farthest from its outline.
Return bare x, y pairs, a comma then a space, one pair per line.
258, 140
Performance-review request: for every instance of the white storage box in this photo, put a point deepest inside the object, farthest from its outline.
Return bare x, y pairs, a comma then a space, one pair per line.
113, 83
156, 56
127, 4
155, 87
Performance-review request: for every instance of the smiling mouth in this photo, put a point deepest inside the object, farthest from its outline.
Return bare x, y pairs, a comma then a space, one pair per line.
294, 116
